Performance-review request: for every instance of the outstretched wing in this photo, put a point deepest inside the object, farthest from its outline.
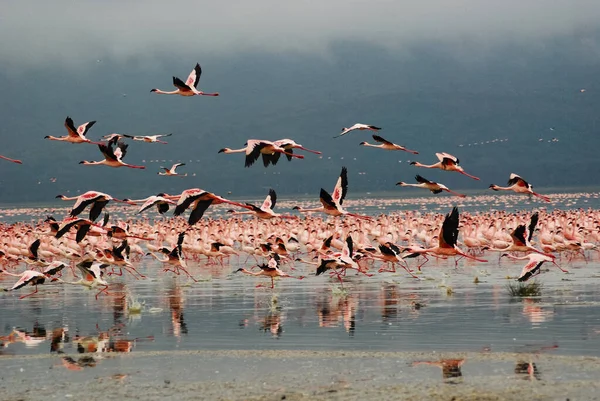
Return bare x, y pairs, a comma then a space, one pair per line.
253, 152
449, 231
532, 224
194, 77
198, 211
71, 127
381, 140
341, 187
518, 235
84, 128
270, 200
326, 200
422, 180
515, 179
179, 84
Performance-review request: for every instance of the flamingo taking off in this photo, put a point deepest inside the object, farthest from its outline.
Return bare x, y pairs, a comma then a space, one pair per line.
148, 138
11, 160
271, 269
187, 88
28, 277
447, 162
75, 135
257, 147
533, 267
171, 171
520, 186
112, 156
160, 201
387, 145
434, 187
358, 126
265, 211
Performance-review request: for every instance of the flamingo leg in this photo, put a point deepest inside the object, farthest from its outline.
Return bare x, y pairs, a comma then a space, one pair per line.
11, 160
469, 175
104, 290
30, 294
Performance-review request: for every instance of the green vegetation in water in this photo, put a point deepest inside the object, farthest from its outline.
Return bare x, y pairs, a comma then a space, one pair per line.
520, 289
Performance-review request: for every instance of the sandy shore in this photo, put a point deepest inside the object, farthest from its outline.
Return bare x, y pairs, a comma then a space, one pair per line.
298, 375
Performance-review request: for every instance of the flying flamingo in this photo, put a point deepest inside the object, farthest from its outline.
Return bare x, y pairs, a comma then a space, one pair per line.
75, 135
289, 145
187, 88
28, 277
533, 267
520, 186
332, 204
387, 145
434, 187
174, 257
199, 200
271, 269
112, 156
447, 239
148, 138
11, 160
257, 147
447, 162
92, 275
358, 126
171, 172
265, 211
97, 199
160, 201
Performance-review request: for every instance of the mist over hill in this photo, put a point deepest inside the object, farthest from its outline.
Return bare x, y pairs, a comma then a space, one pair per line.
496, 109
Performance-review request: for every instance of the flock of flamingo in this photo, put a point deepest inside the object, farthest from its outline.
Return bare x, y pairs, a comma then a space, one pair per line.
276, 242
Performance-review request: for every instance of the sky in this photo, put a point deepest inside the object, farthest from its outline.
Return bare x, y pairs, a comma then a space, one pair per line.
490, 82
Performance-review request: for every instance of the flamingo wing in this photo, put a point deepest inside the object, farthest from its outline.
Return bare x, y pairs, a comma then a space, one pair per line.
33, 249
71, 128
29, 276
381, 140
96, 209
186, 200
327, 200
532, 224
194, 77
518, 235
422, 180
179, 84
449, 231
270, 200
515, 179
341, 187
253, 150
198, 210
84, 128
386, 250
530, 269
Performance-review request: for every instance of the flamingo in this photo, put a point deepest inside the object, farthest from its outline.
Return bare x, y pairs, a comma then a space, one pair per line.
75, 135
171, 172
358, 126
521, 239
520, 186
92, 275
83, 228
265, 211
174, 257
332, 204
11, 160
97, 199
271, 269
200, 200
447, 239
160, 201
447, 162
343, 260
392, 254
533, 267
257, 147
289, 145
148, 138
112, 156
387, 145
434, 187
187, 88
28, 277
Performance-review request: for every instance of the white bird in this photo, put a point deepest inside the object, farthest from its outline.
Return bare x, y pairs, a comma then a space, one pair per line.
358, 126
31, 277
520, 186
257, 147
434, 187
387, 145
75, 135
187, 88
148, 138
171, 172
